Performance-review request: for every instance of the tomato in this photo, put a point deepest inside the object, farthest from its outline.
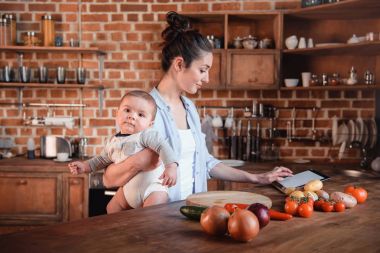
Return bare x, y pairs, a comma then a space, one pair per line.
327, 206
339, 207
305, 210
349, 189
318, 204
359, 193
291, 207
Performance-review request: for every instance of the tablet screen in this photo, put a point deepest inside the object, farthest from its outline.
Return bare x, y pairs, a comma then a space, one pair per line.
299, 179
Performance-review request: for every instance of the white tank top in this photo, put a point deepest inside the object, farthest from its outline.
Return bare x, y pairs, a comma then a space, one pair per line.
186, 162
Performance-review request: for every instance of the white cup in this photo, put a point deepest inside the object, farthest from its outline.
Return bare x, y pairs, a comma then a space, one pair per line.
62, 156
310, 43
302, 43
306, 76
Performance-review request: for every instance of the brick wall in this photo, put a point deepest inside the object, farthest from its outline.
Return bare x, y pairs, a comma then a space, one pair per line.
130, 33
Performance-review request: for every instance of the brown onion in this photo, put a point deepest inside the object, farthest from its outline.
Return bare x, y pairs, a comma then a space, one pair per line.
243, 225
214, 220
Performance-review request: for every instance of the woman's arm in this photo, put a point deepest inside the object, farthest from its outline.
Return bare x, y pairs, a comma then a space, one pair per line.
117, 175
224, 172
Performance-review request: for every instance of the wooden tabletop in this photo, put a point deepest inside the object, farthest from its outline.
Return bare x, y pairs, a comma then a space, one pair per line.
163, 229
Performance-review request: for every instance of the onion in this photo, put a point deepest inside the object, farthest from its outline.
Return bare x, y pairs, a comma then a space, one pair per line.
243, 225
261, 212
214, 220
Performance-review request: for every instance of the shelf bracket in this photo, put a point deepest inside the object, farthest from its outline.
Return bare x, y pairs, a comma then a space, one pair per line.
100, 100
20, 94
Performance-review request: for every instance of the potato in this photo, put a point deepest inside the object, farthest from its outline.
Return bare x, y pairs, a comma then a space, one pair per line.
310, 194
322, 194
297, 194
348, 200
313, 185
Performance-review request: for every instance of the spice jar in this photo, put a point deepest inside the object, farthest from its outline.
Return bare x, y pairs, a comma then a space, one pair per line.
5, 32
48, 30
11, 19
30, 39
334, 80
314, 81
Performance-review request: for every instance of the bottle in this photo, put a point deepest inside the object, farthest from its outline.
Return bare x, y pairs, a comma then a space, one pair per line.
83, 148
48, 30
30, 146
11, 18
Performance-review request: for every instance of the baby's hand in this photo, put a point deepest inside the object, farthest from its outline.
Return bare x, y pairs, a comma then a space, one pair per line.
170, 175
78, 167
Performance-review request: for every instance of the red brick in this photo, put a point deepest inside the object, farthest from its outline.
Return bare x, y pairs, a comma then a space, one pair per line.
71, 17
117, 65
68, 7
117, 27
164, 7
91, 27
117, 17
147, 65
130, 74
335, 104
132, 17
134, 7
94, 17
117, 36
288, 5
129, 84
103, 8
148, 17
363, 104
226, 6
151, 27
257, 6
194, 7
132, 46
12, 7
42, 7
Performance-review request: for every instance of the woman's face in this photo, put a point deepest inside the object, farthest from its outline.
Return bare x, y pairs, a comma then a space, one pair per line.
192, 78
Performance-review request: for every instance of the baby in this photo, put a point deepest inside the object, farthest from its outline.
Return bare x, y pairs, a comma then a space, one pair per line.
135, 116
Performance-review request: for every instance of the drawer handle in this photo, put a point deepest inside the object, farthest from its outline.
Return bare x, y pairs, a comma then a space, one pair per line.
22, 182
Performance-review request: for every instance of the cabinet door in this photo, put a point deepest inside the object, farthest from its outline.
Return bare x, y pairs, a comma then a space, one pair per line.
77, 205
30, 198
217, 73
252, 69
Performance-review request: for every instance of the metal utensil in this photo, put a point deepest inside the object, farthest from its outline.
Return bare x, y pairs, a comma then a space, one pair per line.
42, 74
61, 75
24, 74
8, 74
233, 143
81, 75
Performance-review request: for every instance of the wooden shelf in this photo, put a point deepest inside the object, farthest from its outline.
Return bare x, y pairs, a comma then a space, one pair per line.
39, 49
49, 85
362, 48
348, 9
253, 51
337, 88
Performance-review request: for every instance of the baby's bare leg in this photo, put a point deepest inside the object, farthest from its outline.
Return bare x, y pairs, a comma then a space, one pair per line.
156, 198
118, 202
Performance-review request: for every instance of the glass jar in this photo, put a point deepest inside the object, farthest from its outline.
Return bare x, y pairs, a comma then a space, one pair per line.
48, 30
30, 39
314, 81
334, 80
1, 33
5, 32
11, 18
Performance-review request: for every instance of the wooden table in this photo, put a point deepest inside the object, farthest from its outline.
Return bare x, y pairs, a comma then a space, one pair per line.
164, 229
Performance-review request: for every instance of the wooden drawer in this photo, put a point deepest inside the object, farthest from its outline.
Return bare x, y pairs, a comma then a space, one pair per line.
30, 197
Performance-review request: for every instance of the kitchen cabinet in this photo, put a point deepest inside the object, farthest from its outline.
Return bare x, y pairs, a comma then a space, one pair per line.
242, 68
331, 26
39, 192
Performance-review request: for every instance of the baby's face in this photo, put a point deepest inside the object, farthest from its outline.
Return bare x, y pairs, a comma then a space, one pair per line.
134, 115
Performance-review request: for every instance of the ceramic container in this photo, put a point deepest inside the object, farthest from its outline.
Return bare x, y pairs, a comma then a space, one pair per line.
291, 42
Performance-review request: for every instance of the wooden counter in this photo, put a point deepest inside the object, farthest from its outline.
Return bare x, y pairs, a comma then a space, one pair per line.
164, 229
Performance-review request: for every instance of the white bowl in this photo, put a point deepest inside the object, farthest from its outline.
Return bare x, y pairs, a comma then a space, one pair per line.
291, 82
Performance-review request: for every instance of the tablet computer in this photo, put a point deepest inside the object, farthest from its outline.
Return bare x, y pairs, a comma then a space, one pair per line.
299, 180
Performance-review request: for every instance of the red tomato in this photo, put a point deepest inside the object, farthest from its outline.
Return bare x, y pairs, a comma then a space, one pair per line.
349, 189
305, 210
291, 207
360, 194
327, 207
318, 204
339, 207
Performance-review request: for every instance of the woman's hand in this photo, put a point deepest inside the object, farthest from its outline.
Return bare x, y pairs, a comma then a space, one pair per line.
117, 175
277, 174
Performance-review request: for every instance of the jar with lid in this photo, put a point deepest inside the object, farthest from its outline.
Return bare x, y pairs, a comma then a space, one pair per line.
48, 30
314, 81
30, 39
334, 80
5, 32
11, 19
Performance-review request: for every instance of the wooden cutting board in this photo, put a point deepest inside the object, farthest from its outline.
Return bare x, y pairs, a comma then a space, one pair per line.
220, 198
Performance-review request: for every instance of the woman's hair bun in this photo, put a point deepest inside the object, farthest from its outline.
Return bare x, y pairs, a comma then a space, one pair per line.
177, 24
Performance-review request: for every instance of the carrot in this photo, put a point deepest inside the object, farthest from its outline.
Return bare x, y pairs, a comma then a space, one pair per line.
230, 207
276, 215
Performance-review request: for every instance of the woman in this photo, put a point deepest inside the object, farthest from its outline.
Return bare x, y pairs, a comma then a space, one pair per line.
186, 61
